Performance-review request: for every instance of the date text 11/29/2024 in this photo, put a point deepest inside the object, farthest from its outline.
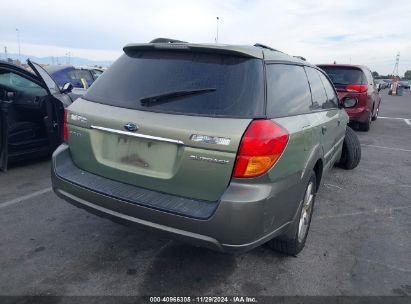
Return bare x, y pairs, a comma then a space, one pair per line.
205, 299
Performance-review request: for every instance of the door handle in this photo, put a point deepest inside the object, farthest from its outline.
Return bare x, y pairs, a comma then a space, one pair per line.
338, 122
324, 129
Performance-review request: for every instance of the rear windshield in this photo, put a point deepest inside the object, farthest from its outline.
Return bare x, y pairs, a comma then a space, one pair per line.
344, 75
217, 84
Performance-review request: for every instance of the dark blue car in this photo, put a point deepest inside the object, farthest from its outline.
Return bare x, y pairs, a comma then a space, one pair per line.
78, 77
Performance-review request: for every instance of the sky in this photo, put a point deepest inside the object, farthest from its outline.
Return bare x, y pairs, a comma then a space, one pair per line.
369, 32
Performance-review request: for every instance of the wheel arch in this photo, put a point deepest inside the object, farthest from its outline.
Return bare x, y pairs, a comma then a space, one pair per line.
318, 170
315, 162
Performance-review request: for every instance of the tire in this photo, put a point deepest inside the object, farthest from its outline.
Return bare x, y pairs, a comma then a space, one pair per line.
365, 126
351, 150
374, 118
293, 241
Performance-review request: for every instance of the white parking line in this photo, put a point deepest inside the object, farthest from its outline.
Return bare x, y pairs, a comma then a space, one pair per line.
388, 148
406, 120
383, 264
370, 212
400, 118
25, 197
331, 185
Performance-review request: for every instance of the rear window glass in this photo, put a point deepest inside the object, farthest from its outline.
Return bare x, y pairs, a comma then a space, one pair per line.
217, 84
344, 75
288, 92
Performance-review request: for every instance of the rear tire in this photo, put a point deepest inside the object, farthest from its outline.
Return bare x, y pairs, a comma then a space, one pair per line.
365, 126
294, 240
374, 118
351, 150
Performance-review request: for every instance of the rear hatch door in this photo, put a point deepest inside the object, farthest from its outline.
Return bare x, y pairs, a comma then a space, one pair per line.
345, 78
168, 121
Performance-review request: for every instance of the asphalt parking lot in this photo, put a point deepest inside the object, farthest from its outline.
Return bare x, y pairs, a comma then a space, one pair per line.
359, 242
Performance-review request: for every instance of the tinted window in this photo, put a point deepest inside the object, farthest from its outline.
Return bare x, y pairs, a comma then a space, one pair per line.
288, 92
317, 89
79, 74
332, 99
232, 86
341, 76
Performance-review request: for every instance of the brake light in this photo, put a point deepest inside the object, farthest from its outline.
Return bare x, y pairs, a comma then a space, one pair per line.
65, 129
359, 88
261, 146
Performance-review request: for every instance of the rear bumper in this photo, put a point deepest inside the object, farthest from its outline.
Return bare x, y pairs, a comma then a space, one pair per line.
358, 114
246, 216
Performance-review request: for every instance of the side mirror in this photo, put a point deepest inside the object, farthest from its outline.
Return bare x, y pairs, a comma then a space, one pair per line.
379, 87
67, 88
349, 102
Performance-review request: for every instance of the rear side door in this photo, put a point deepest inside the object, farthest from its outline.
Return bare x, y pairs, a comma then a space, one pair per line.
289, 105
327, 115
333, 105
55, 104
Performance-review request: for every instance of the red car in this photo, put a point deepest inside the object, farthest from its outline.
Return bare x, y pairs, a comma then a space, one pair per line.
358, 91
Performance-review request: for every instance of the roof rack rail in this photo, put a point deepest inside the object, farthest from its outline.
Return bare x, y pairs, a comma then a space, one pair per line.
265, 47
300, 57
166, 40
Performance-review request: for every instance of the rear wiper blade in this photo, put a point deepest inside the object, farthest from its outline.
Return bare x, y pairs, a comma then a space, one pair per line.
167, 97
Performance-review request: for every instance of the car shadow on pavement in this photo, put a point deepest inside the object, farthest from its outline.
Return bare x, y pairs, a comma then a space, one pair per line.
188, 269
28, 163
196, 270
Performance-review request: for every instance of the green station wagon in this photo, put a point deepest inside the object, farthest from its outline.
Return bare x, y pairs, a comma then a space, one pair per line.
222, 146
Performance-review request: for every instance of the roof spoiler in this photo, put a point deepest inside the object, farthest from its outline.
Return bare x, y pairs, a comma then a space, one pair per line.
300, 57
265, 47
190, 47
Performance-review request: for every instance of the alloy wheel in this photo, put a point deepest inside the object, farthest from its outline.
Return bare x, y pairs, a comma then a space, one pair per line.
306, 212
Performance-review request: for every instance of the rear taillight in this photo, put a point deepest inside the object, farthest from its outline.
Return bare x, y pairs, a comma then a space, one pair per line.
65, 129
359, 88
261, 146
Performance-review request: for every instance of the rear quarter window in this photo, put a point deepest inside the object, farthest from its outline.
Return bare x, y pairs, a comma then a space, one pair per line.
317, 89
332, 98
288, 92
237, 83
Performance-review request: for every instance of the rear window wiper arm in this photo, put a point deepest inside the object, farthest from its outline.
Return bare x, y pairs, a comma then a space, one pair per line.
167, 97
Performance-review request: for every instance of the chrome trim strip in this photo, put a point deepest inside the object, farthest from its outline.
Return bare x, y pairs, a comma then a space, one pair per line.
156, 138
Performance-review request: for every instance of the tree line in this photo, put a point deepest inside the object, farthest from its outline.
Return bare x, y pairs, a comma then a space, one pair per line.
407, 75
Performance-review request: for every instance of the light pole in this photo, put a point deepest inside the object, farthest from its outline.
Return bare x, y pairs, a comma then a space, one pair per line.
18, 41
68, 57
216, 37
